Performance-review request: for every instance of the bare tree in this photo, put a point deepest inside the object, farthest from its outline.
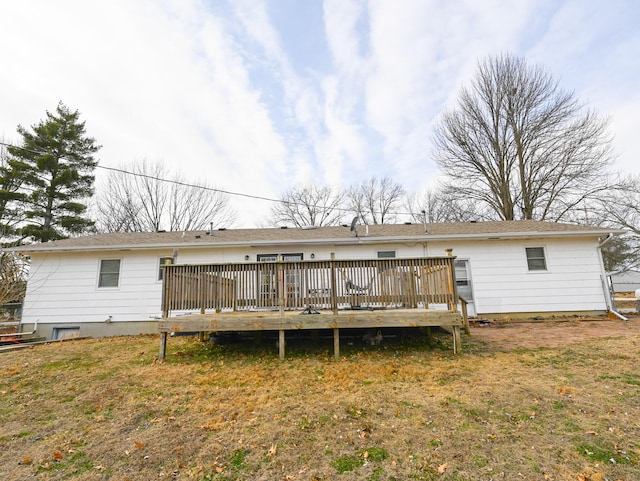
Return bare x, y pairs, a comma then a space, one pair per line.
146, 197
435, 205
521, 146
13, 277
376, 201
619, 208
310, 205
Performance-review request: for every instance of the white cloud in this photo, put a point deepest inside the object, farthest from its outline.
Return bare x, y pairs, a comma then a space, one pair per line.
211, 89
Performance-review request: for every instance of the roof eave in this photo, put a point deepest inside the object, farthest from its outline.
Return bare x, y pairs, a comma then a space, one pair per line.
331, 241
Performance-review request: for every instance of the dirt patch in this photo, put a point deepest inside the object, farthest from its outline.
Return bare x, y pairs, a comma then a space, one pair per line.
507, 336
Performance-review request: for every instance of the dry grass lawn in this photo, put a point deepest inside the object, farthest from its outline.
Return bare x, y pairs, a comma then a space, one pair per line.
406, 410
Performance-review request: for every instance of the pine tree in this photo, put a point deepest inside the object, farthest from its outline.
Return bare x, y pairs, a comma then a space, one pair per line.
56, 165
11, 198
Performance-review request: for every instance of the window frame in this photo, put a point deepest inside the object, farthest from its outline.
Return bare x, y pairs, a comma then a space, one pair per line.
459, 265
390, 254
100, 284
162, 260
531, 259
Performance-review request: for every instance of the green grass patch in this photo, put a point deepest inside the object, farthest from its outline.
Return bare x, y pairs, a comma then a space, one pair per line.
375, 454
605, 455
347, 463
237, 460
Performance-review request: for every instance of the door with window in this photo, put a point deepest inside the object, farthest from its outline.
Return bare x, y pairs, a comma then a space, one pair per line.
463, 283
268, 279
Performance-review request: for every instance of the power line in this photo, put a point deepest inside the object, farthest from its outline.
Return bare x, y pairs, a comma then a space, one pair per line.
152, 177
193, 186
186, 184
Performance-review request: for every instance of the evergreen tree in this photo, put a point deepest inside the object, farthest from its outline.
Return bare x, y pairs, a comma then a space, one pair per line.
56, 165
11, 197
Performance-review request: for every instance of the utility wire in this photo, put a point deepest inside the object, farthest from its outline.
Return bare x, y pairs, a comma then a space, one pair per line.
186, 184
159, 179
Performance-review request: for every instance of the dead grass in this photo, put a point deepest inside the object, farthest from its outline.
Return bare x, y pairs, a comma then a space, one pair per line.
407, 410
626, 300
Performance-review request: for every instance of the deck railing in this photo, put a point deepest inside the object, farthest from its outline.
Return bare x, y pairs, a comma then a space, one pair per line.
310, 284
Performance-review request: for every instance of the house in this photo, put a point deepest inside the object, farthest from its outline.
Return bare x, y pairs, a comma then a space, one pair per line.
112, 284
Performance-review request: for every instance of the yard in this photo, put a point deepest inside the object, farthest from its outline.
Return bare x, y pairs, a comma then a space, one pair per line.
533, 401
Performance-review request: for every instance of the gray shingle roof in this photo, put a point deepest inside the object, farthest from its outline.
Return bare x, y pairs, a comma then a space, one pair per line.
319, 235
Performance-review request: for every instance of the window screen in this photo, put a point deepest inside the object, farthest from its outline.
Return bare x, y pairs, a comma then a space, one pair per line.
163, 261
535, 259
109, 273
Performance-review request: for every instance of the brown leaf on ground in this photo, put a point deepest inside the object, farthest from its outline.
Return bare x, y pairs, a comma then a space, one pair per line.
273, 450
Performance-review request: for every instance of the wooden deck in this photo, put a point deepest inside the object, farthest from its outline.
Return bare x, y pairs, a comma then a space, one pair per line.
293, 295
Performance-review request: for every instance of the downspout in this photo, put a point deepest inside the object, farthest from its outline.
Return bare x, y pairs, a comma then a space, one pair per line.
22, 334
605, 283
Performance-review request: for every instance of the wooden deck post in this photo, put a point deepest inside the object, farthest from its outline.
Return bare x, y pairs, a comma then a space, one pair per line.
281, 345
457, 343
334, 294
163, 346
465, 316
336, 344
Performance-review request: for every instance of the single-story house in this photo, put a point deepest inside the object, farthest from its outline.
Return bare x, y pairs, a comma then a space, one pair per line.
111, 284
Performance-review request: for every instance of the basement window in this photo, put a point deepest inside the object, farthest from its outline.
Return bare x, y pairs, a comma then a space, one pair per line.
109, 273
535, 259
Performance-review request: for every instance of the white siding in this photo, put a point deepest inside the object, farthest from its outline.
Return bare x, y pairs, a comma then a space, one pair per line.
63, 288
502, 282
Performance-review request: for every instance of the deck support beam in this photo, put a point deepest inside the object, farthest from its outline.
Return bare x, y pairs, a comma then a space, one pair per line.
281, 341
336, 344
457, 341
163, 345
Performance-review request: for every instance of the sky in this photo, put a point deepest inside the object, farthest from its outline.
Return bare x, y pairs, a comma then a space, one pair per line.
260, 97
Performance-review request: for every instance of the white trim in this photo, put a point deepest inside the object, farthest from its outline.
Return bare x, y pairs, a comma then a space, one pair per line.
342, 241
112, 288
545, 258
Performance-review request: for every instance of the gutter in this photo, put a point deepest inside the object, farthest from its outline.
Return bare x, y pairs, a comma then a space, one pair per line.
605, 284
610, 236
38, 248
21, 334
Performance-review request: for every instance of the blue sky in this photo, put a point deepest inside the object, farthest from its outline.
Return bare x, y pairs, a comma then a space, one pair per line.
259, 97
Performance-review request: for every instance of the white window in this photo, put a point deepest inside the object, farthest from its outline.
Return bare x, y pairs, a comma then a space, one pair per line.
462, 277
535, 259
386, 254
109, 275
163, 261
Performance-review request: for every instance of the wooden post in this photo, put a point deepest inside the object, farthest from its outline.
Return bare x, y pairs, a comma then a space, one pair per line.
282, 296
334, 293
465, 316
453, 288
163, 346
336, 344
281, 343
457, 344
